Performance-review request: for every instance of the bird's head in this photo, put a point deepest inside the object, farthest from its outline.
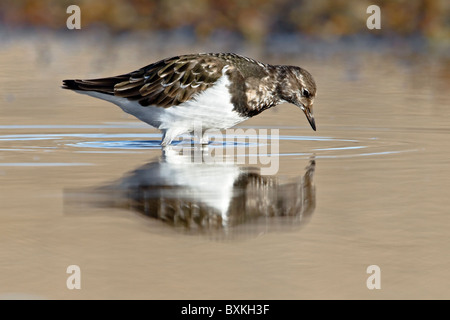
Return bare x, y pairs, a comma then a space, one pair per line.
298, 87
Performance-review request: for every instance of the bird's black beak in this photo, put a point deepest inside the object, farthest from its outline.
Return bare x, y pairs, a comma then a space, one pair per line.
310, 116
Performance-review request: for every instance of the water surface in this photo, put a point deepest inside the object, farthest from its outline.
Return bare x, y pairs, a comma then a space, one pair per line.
83, 183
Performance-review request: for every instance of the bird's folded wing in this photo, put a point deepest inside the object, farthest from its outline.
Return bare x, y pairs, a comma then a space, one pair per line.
165, 83
172, 81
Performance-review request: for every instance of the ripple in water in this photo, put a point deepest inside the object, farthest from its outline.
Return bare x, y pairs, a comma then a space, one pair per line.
321, 146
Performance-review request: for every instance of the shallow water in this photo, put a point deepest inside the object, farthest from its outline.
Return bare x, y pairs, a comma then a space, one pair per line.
83, 183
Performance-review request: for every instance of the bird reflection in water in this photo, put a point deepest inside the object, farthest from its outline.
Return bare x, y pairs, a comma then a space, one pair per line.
209, 198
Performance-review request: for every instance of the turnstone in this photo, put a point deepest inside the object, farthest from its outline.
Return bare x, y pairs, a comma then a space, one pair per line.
217, 90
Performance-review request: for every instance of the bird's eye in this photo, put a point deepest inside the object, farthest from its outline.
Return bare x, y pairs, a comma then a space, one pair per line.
305, 93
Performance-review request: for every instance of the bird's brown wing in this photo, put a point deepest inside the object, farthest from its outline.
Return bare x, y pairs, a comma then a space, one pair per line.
165, 83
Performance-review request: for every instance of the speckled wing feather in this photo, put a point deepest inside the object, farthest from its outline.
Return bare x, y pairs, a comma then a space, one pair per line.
165, 83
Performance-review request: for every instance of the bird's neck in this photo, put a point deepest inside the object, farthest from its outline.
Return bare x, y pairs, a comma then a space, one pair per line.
263, 93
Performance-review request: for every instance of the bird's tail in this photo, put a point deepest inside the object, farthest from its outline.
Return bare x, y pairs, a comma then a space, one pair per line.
102, 85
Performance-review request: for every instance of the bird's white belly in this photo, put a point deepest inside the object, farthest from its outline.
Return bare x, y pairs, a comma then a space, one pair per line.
212, 109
